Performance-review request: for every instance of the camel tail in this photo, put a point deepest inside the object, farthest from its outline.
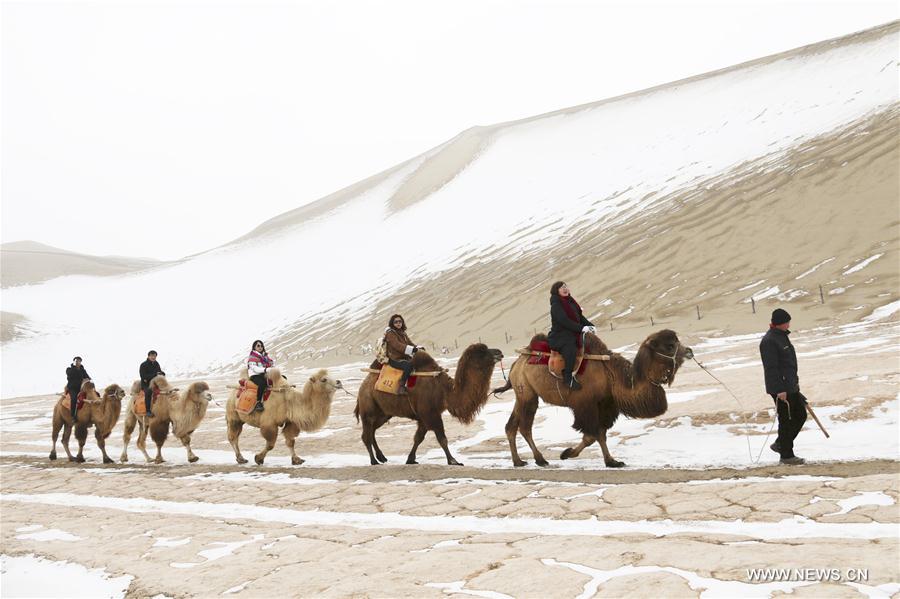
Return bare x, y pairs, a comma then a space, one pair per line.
356, 411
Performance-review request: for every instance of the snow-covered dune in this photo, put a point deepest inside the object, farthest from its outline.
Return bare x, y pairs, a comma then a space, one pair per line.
469, 234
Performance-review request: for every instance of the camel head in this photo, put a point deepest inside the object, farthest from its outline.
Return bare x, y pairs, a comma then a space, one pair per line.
135, 387
322, 383
469, 388
660, 356
115, 392
200, 390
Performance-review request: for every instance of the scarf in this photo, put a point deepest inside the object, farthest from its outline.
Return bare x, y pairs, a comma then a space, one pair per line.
263, 359
573, 311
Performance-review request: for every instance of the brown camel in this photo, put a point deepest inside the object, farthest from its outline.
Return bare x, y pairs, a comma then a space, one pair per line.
609, 388
100, 412
183, 411
288, 409
463, 396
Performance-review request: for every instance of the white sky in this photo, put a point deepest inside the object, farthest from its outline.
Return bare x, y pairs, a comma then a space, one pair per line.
163, 129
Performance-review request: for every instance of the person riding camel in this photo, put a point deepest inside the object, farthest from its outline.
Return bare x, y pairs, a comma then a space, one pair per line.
257, 364
567, 324
400, 349
149, 368
75, 376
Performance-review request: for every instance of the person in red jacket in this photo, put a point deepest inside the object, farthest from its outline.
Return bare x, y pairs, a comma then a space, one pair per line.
257, 365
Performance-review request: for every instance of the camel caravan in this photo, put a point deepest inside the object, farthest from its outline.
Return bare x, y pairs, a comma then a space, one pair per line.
571, 367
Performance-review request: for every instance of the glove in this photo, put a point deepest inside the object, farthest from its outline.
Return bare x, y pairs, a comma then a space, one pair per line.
422, 347
588, 329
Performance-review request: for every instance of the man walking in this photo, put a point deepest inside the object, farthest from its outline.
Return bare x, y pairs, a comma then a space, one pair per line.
149, 369
782, 383
75, 376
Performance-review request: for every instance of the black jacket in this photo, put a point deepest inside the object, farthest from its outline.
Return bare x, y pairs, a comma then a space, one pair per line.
75, 376
779, 362
564, 330
148, 371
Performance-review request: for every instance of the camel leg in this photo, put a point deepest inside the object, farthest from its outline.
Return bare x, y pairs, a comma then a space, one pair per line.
378, 424
234, 434
512, 429
607, 457
186, 441
438, 429
529, 409
130, 422
368, 439
101, 443
158, 432
67, 434
81, 437
142, 440
574, 452
269, 433
290, 433
417, 440
57, 426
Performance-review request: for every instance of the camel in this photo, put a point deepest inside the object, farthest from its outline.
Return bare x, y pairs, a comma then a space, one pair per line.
288, 409
609, 388
183, 411
100, 412
463, 396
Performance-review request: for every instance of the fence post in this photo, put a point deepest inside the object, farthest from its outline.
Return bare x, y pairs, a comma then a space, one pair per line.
821, 294
610, 325
652, 324
753, 304
698, 312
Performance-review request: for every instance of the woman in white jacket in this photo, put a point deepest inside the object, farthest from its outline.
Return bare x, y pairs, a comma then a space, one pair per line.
257, 365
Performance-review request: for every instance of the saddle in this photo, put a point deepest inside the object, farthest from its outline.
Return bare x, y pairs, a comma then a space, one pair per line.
247, 395
67, 400
139, 407
542, 354
389, 379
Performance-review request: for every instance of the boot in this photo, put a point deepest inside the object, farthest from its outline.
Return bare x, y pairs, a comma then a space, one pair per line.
571, 382
402, 390
259, 407
776, 447
794, 461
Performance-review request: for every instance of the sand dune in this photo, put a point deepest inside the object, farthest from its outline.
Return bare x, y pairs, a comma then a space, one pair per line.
760, 182
30, 262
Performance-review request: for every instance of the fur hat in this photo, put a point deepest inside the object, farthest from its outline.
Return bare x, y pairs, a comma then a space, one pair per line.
780, 316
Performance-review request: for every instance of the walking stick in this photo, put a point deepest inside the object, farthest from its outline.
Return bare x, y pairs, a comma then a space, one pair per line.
813, 414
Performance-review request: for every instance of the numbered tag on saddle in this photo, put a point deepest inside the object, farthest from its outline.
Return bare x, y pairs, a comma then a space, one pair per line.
389, 379
557, 363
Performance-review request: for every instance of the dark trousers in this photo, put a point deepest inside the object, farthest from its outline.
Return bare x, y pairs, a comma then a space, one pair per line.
148, 397
405, 365
73, 399
262, 383
568, 352
791, 417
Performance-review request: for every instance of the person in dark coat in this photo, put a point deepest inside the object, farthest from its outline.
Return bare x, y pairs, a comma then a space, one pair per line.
400, 349
149, 369
782, 383
567, 325
75, 376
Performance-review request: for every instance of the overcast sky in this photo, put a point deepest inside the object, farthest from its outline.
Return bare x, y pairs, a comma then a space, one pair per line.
163, 129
